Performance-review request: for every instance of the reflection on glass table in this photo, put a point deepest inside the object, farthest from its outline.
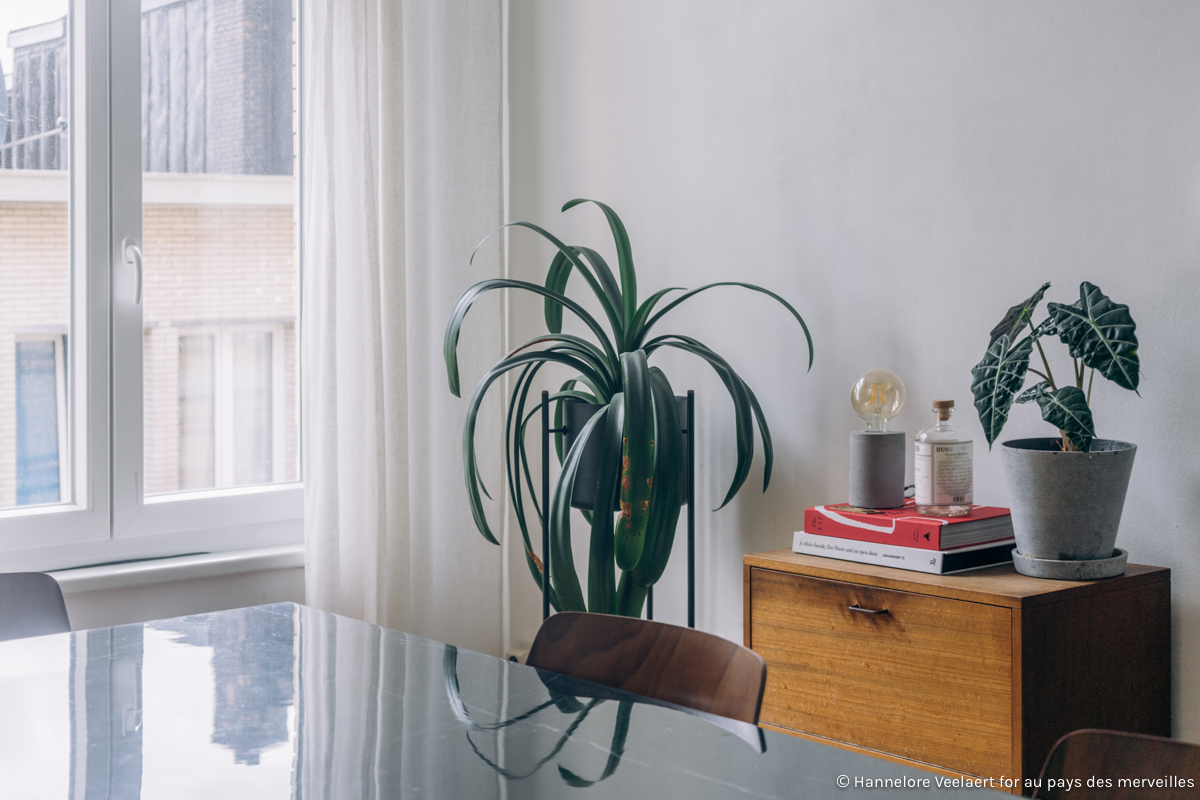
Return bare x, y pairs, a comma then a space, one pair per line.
288, 702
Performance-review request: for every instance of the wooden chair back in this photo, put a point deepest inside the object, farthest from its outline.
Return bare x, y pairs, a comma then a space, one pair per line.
1120, 759
31, 604
675, 665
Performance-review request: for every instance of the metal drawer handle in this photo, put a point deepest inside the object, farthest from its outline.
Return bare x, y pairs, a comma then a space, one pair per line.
857, 607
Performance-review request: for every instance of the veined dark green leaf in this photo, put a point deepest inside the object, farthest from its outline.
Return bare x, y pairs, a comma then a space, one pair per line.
1031, 394
624, 257
742, 408
602, 578
996, 379
454, 326
1018, 317
1101, 334
650, 322
1044, 328
469, 460
637, 464
562, 575
1067, 410
668, 491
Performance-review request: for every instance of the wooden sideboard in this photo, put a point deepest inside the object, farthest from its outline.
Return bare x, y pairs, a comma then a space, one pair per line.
977, 673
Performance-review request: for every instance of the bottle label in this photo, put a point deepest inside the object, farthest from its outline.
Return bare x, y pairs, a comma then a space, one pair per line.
943, 473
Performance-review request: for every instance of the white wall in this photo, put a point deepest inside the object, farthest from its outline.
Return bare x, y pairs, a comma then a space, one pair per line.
903, 172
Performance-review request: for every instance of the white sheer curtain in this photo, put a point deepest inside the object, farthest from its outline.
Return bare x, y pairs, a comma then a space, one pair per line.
401, 179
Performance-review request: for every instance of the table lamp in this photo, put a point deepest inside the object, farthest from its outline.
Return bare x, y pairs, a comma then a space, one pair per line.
877, 454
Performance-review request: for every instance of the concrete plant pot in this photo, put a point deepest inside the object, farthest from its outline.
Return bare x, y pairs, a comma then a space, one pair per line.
1066, 506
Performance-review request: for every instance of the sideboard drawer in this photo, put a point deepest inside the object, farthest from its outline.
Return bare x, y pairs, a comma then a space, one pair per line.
929, 680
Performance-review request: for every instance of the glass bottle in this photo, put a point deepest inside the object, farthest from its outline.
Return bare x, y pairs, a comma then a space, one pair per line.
944, 466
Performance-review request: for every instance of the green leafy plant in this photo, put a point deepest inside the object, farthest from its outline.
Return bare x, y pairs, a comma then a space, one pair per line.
1099, 335
642, 451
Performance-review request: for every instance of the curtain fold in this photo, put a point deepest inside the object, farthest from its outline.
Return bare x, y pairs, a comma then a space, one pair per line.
401, 178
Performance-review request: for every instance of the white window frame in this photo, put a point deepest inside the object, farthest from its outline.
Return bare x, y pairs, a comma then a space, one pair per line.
222, 336
106, 516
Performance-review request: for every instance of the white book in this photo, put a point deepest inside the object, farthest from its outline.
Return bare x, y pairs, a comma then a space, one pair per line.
936, 562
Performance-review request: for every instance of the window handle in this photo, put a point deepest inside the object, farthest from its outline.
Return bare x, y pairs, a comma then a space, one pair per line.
133, 258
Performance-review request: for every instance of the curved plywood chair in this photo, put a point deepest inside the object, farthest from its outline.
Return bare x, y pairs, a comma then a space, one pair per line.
1111, 756
681, 666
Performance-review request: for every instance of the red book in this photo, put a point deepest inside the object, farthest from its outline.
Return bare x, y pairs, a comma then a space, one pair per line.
905, 527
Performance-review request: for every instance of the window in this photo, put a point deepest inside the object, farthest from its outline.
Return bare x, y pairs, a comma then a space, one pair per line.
149, 292
230, 410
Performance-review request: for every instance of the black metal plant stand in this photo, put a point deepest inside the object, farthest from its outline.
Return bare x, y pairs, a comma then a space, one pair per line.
691, 511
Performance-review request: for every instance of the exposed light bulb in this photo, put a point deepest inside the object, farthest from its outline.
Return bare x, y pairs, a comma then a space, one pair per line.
877, 396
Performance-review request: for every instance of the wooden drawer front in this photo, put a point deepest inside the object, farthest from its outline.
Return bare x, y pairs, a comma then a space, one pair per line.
930, 680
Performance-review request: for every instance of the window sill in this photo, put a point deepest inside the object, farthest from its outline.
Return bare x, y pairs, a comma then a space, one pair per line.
181, 568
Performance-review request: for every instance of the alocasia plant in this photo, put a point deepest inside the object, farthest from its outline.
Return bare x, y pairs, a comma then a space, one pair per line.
1100, 336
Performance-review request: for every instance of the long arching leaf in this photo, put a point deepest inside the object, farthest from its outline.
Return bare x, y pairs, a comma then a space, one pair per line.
556, 281
512, 474
454, 326
565, 342
459, 709
668, 490
650, 323
602, 577
631, 596
572, 255
764, 433
637, 462
562, 575
469, 460
742, 409
997, 378
624, 257
1101, 333
522, 457
608, 281
634, 332
560, 273
615, 750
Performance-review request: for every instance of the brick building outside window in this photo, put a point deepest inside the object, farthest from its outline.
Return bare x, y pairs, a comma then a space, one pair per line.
220, 287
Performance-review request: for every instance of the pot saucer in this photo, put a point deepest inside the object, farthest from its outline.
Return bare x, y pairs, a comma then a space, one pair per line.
1054, 569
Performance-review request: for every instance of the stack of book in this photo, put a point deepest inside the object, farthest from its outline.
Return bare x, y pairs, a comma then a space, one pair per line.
901, 537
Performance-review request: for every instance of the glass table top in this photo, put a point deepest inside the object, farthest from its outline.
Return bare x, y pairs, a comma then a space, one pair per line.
283, 701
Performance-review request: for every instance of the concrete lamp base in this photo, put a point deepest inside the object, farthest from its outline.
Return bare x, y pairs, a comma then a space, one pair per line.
877, 469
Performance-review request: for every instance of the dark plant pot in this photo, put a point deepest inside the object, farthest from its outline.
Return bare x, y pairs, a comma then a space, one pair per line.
1066, 506
576, 414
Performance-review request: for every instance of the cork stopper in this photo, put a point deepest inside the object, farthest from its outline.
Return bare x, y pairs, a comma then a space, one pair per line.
942, 408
